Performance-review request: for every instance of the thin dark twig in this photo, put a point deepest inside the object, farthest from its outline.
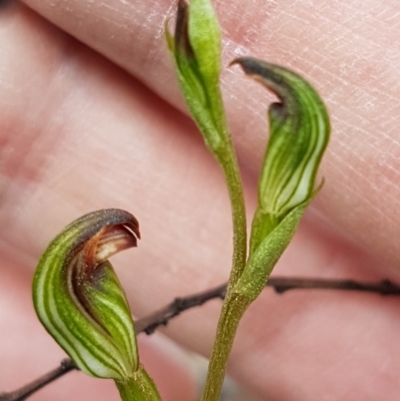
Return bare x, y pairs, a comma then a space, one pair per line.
283, 284
150, 323
161, 317
26, 391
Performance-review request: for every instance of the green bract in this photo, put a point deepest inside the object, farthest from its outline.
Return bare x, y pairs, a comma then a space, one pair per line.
261, 262
79, 299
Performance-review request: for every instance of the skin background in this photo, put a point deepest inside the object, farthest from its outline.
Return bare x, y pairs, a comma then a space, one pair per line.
91, 118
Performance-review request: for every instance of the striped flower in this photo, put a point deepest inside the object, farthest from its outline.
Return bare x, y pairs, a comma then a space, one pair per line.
299, 134
78, 297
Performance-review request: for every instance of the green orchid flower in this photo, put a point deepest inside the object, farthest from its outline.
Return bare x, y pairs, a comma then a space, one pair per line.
81, 303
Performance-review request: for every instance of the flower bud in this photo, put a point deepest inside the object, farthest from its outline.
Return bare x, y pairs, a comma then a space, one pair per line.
196, 51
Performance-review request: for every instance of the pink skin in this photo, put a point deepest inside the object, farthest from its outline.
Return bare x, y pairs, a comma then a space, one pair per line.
77, 133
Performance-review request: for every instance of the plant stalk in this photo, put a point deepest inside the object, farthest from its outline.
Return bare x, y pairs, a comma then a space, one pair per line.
234, 305
140, 387
232, 311
230, 168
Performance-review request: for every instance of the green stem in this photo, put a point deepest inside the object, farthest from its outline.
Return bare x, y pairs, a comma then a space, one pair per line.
232, 311
234, 306
228, 161
140, 387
